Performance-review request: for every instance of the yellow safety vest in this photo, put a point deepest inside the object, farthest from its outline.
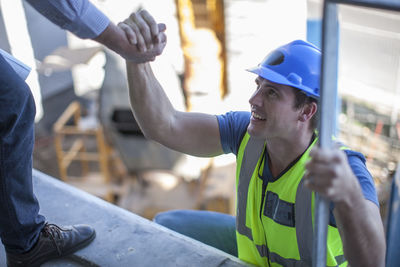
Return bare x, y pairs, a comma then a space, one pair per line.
279, 230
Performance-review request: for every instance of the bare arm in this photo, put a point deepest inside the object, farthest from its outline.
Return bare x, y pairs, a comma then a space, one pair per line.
192, 133
358, 219
361, 231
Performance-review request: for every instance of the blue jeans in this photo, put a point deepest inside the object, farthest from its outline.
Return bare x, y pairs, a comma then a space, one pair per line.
212, 228
20, 223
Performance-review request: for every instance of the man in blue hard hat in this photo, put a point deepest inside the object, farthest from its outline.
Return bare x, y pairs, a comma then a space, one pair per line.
278, 163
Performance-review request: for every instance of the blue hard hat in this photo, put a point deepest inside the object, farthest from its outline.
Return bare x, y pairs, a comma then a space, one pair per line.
296, 64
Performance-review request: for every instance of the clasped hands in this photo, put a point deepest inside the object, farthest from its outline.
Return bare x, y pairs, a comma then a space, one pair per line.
145, 34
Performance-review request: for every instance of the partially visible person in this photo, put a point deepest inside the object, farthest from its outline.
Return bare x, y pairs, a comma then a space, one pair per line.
28, 239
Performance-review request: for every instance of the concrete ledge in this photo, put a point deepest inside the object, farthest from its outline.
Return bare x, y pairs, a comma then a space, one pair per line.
123, 238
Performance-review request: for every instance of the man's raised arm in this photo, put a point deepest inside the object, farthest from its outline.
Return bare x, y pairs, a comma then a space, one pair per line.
192, 133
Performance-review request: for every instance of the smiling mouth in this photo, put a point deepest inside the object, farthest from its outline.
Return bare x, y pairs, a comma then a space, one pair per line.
256, 116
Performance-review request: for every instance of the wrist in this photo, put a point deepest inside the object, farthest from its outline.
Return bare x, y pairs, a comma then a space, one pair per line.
113, 38
138, 70
352, 199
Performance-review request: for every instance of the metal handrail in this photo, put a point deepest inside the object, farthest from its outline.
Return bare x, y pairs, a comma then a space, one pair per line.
329, 66
380, 4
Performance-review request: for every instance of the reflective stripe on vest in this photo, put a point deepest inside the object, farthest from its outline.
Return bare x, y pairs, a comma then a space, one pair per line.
278, 210
251, 156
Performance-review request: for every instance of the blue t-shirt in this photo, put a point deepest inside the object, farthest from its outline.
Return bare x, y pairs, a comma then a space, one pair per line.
233, 126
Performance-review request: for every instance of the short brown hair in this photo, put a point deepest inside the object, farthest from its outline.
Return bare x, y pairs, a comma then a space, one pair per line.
301, 99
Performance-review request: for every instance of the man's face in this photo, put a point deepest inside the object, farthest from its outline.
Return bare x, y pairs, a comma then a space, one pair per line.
272, 110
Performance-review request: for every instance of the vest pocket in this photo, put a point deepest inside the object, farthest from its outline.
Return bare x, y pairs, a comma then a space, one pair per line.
278, 210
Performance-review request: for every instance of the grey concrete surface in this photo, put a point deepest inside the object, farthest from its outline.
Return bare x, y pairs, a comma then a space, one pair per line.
123, 238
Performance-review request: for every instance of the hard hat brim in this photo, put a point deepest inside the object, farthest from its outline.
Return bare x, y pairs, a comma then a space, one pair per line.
277, 78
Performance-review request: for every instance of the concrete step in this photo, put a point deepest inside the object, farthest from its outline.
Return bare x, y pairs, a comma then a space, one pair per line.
123, 238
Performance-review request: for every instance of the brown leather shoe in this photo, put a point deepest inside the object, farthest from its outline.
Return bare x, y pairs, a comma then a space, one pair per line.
54, 242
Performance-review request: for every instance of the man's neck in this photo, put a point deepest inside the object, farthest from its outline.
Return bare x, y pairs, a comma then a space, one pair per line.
282, 152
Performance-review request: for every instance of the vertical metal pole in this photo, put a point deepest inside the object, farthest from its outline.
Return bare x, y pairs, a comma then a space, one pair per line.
396, 103
327, 105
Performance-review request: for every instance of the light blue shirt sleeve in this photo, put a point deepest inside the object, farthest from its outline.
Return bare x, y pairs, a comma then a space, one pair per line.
357, 163
80, 17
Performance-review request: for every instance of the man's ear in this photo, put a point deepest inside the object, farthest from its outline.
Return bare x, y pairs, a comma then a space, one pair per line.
308, 111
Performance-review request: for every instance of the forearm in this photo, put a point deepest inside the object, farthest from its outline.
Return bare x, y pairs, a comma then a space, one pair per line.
361, 231
150, 105
195, 134
191, 133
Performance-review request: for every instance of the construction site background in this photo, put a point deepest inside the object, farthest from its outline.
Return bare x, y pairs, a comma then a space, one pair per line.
369, 87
